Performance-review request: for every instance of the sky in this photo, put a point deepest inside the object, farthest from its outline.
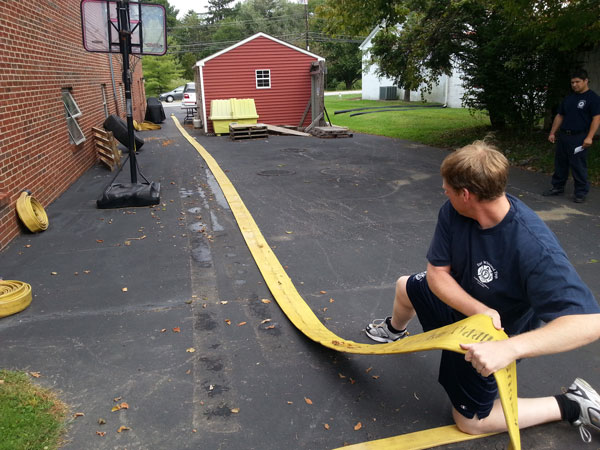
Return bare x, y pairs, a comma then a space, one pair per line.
199, 6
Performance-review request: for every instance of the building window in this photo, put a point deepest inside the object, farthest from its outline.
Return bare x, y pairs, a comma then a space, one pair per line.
72, 112
104, 102
263, 79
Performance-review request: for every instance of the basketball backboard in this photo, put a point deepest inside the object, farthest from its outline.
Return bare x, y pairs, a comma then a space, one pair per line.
100, 27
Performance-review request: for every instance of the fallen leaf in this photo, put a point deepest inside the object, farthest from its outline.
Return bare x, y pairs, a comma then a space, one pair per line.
35, 374
53, 273
124, 289
326, 426
289, 232
290, 403
78, 414
375, 377
101, 421
224, 302
369, 369
176, 330
266, 300
593, 260
163, 330
115, 408
235, 410
123, 428
241, 324
101, 433
325, 309
189, 302
127, 243
28, 246
322, 292
352, 381
117, 399
191, 350
228, 322
194, 431
331, 300
270, 327
99, 241
341, 376
358, 426
86, 271
308, 401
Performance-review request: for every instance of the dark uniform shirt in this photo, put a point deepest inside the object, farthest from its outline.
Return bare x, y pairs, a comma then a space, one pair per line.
578, 111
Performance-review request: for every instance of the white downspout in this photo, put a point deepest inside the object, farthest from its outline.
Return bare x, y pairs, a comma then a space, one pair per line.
204, 122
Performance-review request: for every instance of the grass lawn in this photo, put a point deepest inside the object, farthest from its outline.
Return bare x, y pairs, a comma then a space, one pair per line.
451, 128
31, 418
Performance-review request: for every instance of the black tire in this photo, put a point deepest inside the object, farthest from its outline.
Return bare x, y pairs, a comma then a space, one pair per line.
170, 99
119, 128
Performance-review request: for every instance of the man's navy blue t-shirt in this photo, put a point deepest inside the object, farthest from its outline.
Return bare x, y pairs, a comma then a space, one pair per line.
578, 110
517, 267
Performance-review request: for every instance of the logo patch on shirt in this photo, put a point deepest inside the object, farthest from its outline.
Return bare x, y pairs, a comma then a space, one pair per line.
485, 274
581, 104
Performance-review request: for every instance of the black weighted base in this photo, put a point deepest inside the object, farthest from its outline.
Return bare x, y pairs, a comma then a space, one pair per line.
124, 195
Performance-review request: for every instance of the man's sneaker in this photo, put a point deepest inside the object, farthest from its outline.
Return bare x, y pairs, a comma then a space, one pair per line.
552, 192
589, 402
579, 199
378, 331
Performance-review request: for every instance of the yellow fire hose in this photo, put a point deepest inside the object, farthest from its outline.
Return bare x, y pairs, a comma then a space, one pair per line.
145, 126
15, 296
477, 328
31, 213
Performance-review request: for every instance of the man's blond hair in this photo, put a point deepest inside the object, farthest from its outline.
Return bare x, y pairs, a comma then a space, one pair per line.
478, 167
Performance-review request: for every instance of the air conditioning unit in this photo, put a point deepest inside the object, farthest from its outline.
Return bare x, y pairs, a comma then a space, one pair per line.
388, 93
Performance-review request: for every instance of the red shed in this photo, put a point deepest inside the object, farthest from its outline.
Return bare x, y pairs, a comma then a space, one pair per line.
276, 74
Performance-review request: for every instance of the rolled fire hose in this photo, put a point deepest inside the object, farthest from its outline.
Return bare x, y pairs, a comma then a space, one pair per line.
15, 296
31, 213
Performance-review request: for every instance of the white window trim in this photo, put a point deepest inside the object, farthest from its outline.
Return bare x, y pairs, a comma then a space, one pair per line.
268, 71
72, 111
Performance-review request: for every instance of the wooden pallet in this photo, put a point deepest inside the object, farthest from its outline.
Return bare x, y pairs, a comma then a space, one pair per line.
331, 132
239, 131
106, 148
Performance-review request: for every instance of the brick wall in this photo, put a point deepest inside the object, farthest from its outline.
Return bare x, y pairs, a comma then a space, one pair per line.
41, 53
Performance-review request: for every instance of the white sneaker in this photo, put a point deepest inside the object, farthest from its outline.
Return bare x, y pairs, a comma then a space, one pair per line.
589, 402
378, 331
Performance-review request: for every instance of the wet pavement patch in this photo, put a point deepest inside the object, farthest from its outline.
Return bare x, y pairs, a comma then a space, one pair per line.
275, 173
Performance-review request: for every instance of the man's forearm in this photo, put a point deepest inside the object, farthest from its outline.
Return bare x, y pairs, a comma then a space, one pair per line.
593, 127
450, 292
562, 334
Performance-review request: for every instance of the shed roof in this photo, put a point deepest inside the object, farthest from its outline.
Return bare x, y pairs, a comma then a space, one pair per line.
248, 39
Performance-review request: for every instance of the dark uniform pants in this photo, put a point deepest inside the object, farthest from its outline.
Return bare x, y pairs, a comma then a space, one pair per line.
564, 158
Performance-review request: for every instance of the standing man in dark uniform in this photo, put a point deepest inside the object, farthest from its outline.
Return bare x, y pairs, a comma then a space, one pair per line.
578, 119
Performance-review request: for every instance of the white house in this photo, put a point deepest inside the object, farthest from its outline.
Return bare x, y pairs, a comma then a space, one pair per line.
448, 91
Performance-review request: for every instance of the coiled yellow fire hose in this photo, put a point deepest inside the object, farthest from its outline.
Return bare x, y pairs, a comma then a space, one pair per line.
477, 328
15, 296
31, 213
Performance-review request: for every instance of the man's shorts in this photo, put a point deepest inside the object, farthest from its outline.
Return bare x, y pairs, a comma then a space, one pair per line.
470, 393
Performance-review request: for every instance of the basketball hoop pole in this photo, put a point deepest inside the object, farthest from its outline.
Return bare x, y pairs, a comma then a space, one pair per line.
125, 43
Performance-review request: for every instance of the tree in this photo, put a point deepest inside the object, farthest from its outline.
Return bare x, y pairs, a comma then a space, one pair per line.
513, 53
218, 10
159, 71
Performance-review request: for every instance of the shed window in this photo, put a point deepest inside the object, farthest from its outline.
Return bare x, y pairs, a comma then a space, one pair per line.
263, 79
72, 111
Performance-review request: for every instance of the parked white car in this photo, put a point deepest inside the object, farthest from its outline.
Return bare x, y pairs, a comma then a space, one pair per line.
189, 96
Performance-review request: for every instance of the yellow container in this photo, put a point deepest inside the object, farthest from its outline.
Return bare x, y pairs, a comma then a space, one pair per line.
233, 110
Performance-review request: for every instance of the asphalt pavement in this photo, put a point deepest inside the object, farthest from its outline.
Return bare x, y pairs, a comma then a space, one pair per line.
163, 307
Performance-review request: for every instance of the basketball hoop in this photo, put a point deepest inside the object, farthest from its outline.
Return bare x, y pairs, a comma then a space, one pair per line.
100, 27
130, 29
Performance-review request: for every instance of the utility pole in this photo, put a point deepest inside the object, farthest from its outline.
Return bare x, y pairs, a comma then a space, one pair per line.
306, 21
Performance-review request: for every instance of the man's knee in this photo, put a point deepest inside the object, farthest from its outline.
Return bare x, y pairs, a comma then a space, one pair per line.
401, 285
470, 426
